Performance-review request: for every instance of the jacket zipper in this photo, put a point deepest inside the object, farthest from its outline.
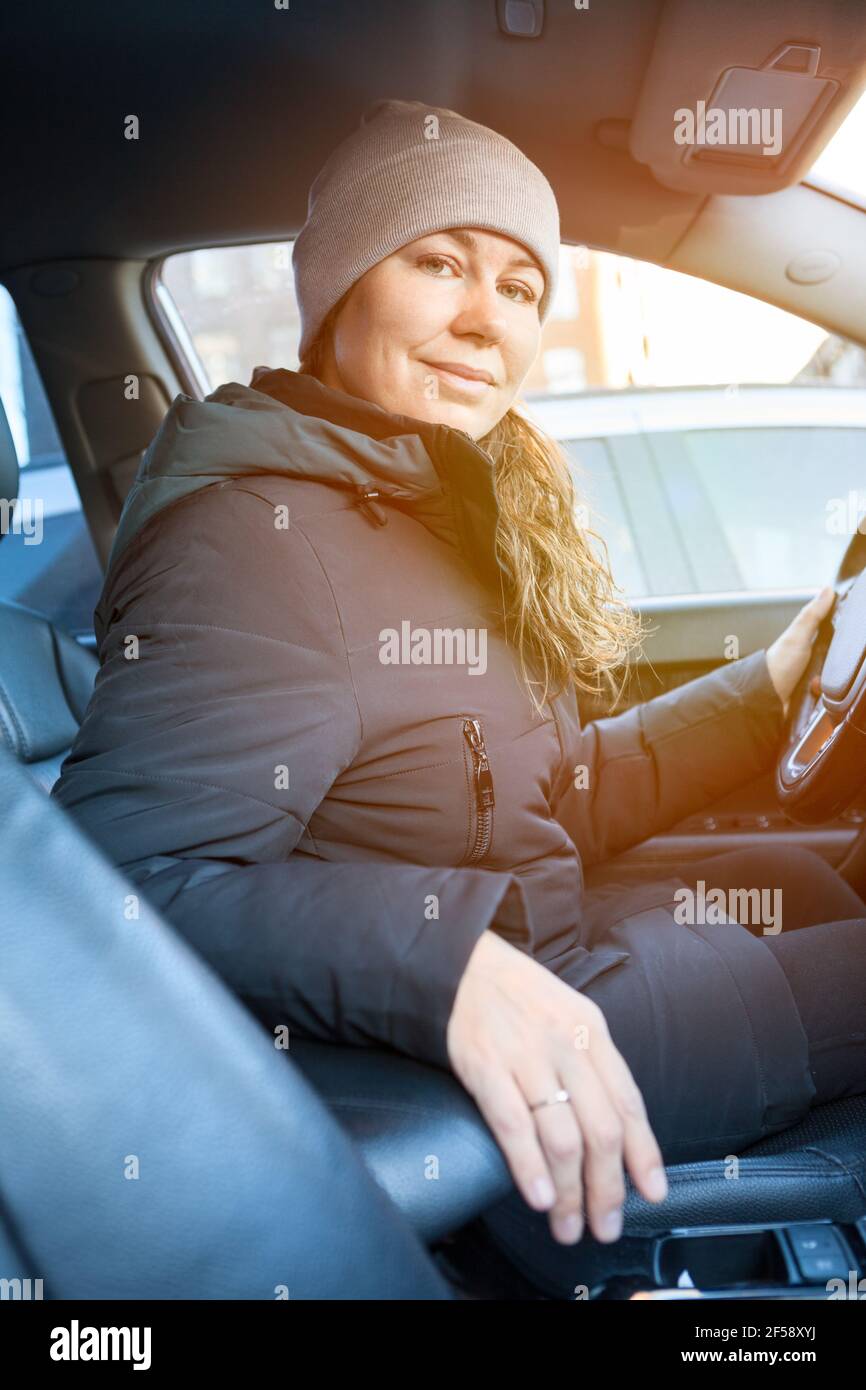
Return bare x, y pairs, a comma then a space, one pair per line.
365, 500
482, 781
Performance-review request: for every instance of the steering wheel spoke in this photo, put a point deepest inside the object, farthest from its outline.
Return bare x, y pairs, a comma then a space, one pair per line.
822, 764
810, 745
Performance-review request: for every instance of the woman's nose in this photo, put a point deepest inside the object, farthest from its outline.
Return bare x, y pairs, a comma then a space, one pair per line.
481, 314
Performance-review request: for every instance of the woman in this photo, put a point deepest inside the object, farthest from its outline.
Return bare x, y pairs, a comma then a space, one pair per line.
335, 738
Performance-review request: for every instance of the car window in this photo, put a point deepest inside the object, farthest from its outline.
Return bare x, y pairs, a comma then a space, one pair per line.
238, 307
599, 483
804, 500
642, 376
840, 165
47, 558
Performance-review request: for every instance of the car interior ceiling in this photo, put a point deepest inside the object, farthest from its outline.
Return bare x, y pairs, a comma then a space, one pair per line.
226, 153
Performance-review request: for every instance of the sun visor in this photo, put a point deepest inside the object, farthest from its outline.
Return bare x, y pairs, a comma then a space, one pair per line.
741, 98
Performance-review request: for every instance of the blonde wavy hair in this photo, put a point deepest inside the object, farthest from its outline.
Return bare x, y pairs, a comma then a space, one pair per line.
561, 609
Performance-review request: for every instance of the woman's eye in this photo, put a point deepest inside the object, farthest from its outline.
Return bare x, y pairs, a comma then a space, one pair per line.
436, 265
529, 296
435, 261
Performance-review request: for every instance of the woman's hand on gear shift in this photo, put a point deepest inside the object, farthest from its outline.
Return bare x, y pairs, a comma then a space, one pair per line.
518, 1034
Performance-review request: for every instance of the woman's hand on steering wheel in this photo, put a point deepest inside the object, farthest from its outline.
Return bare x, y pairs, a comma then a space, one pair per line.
789, 655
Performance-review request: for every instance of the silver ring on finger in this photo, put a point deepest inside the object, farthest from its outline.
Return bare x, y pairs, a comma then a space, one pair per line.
558, 1098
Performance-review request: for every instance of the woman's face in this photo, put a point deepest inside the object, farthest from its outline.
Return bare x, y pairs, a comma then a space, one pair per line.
453, 302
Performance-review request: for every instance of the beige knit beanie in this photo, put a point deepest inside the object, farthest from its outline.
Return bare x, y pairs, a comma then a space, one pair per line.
408, 170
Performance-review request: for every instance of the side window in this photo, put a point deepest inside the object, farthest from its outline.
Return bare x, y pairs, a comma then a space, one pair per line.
47, 558
717, 441
237, 306
767, 507
598, 483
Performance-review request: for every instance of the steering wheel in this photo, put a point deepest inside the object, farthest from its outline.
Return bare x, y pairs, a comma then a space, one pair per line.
822, 765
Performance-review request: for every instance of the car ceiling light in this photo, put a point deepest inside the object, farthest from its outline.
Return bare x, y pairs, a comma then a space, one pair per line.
520, 19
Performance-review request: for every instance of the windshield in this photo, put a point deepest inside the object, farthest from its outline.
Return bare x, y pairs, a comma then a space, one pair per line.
842, 165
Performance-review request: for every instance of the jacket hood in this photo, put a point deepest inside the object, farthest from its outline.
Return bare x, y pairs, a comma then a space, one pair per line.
290, 424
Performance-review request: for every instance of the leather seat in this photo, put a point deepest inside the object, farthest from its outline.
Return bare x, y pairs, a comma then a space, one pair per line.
154, 1142
401, 1114
45, 675
420, 1133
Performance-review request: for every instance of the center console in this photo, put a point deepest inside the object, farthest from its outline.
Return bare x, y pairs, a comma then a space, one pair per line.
794, 1260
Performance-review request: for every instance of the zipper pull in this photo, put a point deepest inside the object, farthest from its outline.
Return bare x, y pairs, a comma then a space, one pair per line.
483, 775
366, 493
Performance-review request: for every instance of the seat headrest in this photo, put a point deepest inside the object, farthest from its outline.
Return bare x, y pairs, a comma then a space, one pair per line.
8, 465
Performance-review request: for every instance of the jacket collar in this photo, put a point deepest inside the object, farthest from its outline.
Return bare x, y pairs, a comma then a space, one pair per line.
462, 509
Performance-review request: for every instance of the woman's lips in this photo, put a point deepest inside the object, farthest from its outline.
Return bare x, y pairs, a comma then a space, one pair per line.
463, 385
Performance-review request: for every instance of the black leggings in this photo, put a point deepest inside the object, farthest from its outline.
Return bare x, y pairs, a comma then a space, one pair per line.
825, 966
822, 951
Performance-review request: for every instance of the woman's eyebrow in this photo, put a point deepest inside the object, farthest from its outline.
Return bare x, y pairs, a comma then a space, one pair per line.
470, 241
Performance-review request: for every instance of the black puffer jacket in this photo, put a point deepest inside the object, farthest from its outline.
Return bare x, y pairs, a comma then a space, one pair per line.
334, 832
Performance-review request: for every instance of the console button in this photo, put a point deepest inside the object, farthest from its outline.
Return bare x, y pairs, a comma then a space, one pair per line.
818, 1251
